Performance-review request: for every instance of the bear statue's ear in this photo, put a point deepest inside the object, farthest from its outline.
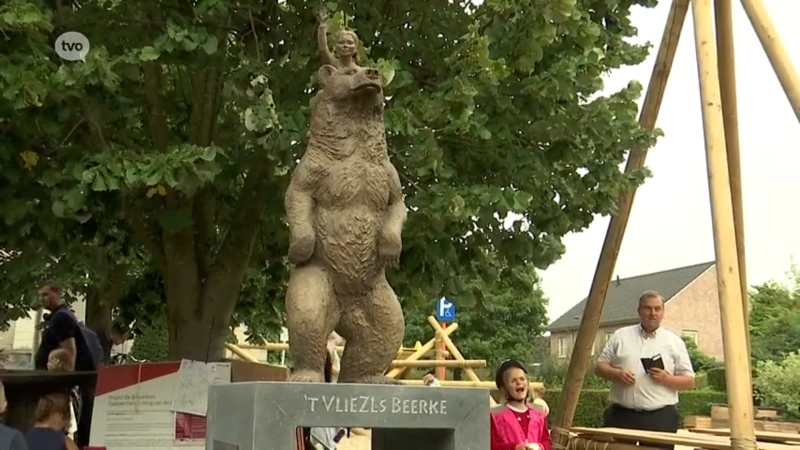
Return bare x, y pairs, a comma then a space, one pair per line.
325, 72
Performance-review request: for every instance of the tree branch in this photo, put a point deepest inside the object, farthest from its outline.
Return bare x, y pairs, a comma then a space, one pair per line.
236, 249
145, 234
204, 212
157, 117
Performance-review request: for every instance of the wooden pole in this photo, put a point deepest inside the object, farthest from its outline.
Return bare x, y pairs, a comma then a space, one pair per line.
444, 363
737, 361
616, 228
441, 370
726, 62
394, 373
241, 353
465, 384
775, 50
443, 332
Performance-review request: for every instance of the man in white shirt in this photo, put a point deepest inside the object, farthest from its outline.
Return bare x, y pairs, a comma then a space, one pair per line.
645, 399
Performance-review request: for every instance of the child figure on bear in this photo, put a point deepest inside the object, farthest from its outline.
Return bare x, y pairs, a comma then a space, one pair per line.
514, 424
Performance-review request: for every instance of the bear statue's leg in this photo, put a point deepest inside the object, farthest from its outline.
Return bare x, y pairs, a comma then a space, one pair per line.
311, 314
373, 326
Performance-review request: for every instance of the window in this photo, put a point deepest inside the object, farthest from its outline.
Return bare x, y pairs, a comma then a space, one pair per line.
691, 335
562, 347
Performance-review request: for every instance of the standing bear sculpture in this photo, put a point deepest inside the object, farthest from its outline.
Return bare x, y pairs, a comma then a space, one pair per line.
346, 213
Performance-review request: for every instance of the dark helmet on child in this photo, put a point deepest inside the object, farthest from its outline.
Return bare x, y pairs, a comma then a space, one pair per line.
518, 385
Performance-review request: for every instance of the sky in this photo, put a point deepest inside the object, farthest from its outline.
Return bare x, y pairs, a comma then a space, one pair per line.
670, 224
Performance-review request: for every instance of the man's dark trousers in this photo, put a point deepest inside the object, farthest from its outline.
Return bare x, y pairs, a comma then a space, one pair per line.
662, 419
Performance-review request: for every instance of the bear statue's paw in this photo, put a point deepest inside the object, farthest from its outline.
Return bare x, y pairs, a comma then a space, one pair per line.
307, 376
302, 248
373, 379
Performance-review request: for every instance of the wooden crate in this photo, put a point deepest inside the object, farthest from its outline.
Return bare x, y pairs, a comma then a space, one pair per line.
719, 412
766, 413
697, 422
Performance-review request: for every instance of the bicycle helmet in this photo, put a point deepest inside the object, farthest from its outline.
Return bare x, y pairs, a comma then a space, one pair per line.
504, 367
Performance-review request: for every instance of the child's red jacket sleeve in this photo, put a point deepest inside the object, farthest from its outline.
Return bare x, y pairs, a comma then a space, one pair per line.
546, 442
495, 439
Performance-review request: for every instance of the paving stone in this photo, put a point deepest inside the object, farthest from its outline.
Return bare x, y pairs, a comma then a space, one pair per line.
265, 415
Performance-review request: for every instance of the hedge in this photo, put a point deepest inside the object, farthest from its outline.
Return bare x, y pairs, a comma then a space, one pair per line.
593, 402
716, 379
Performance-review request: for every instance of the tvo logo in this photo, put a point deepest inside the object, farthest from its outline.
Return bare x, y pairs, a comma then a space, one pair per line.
72, 46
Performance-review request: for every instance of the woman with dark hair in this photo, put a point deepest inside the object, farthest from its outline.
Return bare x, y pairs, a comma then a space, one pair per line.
514, 424
52, 418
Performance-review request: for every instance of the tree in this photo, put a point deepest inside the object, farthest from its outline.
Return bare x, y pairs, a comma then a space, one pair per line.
91, 266
775, 319
505, 326
700, 360
186, 118
150, 343
778, 384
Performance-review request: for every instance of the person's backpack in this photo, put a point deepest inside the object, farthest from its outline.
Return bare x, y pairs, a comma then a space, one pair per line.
90, 341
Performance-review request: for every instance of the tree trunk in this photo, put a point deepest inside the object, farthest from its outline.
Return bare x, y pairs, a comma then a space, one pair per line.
199, 309
98, 312
197, 339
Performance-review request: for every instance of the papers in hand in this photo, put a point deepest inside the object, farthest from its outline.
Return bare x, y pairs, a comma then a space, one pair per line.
191, 392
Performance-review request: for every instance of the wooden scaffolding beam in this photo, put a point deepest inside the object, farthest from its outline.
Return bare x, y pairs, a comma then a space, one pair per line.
616, 229
716, 74
737, 359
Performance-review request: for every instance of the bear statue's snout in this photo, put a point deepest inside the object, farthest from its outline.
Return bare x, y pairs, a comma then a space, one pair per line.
372, 74
367, 80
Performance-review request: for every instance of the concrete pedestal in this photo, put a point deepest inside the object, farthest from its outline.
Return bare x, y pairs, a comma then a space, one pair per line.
266, 415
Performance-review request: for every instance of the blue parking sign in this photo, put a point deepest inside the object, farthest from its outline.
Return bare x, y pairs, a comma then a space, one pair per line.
445, 310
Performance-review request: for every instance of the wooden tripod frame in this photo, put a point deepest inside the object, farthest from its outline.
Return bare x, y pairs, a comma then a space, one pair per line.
718, 98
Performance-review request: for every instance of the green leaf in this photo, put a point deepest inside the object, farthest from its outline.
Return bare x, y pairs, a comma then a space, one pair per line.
521, 200
208, 154
148, 54
59, 208
88, 175
112, 183
386, 68
99, 184
211, 45
75, 199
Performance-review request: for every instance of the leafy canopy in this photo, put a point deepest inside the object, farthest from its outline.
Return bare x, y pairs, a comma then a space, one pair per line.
775, 318
778, 383
186, 119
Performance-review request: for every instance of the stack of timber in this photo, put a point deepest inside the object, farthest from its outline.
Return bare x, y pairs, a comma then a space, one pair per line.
655, 438
761, 436
766, 419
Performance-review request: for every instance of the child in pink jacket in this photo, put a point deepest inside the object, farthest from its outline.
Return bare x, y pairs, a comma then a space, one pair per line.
515, 425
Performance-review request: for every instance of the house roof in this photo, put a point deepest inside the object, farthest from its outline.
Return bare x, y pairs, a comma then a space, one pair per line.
620, 306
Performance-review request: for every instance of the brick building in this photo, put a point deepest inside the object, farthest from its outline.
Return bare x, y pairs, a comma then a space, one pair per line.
691, 310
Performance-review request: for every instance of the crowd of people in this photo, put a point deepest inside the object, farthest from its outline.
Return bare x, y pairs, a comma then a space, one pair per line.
645, 364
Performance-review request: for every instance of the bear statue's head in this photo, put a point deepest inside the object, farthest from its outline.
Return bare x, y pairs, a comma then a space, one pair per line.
352, 88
